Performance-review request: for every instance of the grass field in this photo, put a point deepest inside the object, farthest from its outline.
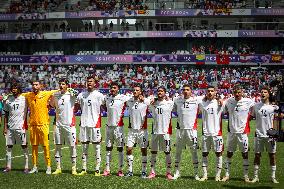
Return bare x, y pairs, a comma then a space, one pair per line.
16, 179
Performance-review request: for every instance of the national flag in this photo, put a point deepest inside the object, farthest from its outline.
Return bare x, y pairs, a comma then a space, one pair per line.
200, 59
222, 59
276, 58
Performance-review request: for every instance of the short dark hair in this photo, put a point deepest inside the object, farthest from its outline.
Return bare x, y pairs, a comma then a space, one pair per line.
91, 77
162, 87
114, 83
211, 86
138, 85
186, 85
16, 86
265, 87
237, 87
36, 79
64, 80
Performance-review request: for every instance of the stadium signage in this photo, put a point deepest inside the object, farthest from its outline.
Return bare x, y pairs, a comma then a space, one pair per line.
141, 13
143, 34
145, 58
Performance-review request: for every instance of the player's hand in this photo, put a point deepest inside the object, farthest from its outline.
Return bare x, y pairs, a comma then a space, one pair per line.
141, 98
152, 101
167, 98
220, 102
4, 132
73, 92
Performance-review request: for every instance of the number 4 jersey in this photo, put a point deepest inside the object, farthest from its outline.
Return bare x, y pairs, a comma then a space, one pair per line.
239, 112
90, 103
16, 107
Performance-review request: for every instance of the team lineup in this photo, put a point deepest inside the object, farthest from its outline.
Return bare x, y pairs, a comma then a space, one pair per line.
91, 102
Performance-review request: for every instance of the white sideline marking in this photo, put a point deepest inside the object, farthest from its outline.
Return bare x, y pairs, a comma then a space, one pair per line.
4, 159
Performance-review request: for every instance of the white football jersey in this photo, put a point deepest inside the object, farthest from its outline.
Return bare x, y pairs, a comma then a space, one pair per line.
187, 110
211, 118
90, 103
239, 112
17, 110
162, 113
264, 115
115, 109
64, 106
138, 113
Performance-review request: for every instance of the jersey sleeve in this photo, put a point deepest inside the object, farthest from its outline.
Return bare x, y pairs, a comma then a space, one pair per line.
78, 99
171, 104
50, 93
126, 98
151, 108
102, 99
147, 101
252, 112
26, 95
252, 103
199, 99
5, 106
226, 104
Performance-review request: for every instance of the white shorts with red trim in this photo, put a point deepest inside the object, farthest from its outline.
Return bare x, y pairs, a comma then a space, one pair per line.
212, 142
17, 136
139, 136
262, 143
161, 142
90, 134
114, 134
237, 139
65, 135
186, 137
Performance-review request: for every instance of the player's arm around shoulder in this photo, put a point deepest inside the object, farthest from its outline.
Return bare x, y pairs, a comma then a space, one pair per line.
6, 117
26, 94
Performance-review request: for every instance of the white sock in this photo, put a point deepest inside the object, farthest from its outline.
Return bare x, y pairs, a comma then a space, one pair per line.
9, 157
108, 160
85, 156
195, 161
153, 162
177, 161
73, 155
130, 162
144, 163
26, 156
245, 167
219, 163
120, 160
97, 148
58, 156
168, 162
204, 165
256, 169
228, 166
273, 170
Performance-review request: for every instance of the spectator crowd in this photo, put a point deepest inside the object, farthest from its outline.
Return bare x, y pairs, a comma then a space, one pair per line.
149, 76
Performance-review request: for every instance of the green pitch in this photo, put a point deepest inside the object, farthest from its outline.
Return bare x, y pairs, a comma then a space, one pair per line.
16, 179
